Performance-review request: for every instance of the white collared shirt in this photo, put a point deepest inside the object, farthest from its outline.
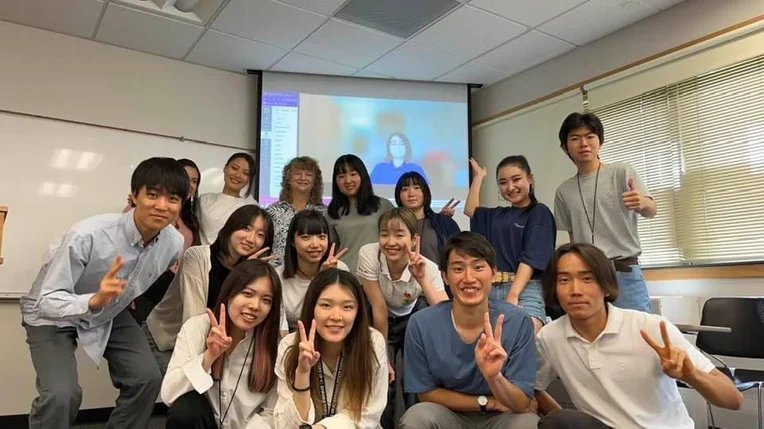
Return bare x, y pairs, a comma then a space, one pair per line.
400, 294
249, 410
617, 378
286, 415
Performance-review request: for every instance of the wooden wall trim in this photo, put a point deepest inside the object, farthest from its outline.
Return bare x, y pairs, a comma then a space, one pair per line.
619, 70
718, 272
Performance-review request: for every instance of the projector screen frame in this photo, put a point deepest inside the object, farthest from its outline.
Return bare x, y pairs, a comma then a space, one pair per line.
259, 94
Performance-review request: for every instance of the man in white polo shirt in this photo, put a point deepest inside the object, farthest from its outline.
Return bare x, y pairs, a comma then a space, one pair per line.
619, 366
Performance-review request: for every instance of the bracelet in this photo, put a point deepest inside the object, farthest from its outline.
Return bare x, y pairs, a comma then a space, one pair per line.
300, 390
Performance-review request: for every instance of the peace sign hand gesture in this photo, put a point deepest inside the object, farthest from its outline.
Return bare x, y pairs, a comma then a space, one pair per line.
309, 356
489, 353
449, 208
258, 255
332, 259
674, 361
110, 288
218, 340
417, 266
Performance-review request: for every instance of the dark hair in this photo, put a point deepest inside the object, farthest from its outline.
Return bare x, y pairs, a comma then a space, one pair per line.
577, 120
241, 218
252, 170
360, 358
302, 163
402, 215
599, 264
188, 210
470, 244
366, 202
308, 222
412, 178
406, 142
522, 163
266, 334
162, 174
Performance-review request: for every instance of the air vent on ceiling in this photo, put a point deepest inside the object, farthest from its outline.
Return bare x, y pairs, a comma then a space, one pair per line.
196, 11
398, 17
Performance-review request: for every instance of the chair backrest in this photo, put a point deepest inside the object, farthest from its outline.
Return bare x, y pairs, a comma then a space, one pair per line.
746, 318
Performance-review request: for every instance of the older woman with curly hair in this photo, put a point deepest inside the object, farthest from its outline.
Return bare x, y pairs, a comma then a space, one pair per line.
302, 187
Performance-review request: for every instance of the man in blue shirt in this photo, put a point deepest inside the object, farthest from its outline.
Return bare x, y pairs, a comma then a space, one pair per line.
81, 294
471, 361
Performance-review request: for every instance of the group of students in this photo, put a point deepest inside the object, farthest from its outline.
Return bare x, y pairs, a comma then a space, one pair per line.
293, 315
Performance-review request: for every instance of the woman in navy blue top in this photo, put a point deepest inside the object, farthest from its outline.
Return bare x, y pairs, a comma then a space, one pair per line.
397, 161
523, 234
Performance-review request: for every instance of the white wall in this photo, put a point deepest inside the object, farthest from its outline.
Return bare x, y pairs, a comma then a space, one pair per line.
61, 76
689, 20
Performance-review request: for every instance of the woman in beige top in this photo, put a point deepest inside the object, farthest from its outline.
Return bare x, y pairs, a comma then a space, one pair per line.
203, 269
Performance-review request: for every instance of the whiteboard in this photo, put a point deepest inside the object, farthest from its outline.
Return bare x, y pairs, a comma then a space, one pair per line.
54, 173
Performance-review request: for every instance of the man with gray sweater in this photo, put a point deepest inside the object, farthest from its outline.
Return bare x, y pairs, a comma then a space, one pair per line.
600, 205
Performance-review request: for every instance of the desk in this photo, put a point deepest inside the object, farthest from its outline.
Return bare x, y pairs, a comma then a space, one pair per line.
693, 329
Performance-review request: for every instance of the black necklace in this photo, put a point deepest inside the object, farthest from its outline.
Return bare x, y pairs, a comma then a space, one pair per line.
594, 203
236, 387
330, 409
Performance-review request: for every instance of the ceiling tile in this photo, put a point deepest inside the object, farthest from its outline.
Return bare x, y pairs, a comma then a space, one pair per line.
369, 73
410, 61
146, 32
299, 63
324, 7
76, 17
267, 21
473, 73
347, 44
233, 53
526, 51
467, 33
530, 13
660, 4
576, 26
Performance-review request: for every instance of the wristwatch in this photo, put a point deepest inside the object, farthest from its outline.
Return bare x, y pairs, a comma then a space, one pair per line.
483, 402
305, 426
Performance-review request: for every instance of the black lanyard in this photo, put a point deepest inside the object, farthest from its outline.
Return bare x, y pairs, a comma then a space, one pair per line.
594, 203
330, 410
233, 395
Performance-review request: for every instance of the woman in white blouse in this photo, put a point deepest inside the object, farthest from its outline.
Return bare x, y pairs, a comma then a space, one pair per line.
308, 251
215, 208
221, 372
334, 374
394, 275
201, 274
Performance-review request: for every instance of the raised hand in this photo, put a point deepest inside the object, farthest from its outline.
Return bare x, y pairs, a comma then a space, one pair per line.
259, 255
674, 361
218, 340
110, 288
332, 259
449, 208
417, 266
632, 198
477, 170
308, 354
489, 353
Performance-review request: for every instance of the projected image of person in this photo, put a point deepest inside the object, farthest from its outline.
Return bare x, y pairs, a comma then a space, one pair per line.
397, 162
